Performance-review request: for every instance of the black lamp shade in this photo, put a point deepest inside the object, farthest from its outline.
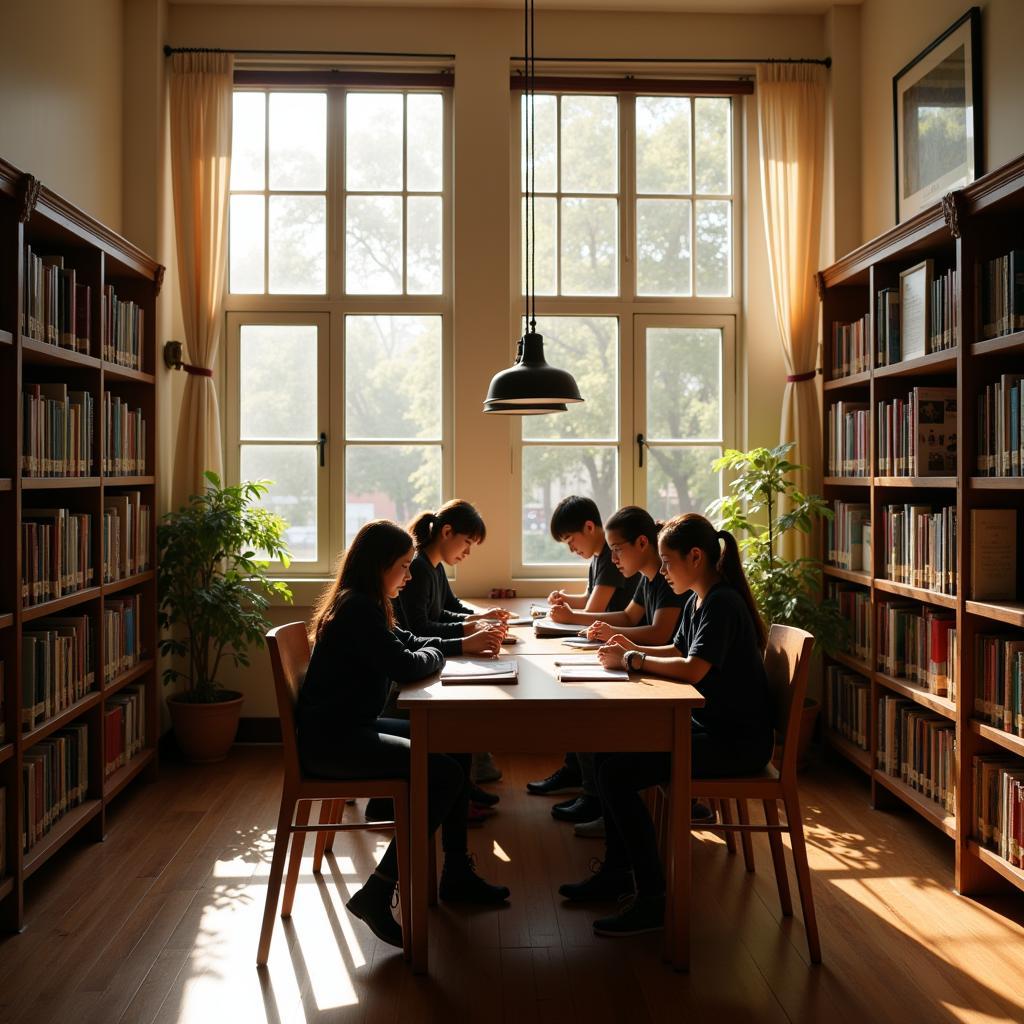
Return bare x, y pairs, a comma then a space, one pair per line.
530, 381
513, 409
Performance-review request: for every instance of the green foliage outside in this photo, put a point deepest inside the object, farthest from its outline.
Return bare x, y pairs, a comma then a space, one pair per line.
787, 591
212, 588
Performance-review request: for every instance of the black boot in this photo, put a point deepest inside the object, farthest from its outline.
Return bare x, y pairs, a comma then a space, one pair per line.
605, 885
461, 884
372, 905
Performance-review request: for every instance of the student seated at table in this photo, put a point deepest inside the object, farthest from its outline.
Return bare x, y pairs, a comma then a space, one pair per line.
428, 607
576, 522
719, 649
358, 650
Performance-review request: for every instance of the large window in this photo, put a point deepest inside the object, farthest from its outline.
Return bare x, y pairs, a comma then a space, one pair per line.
338, 307
636, 283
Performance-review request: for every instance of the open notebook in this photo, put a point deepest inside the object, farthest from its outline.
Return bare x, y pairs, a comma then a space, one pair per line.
475, 671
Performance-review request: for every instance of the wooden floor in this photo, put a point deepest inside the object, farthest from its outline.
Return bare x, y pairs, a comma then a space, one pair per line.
160, 922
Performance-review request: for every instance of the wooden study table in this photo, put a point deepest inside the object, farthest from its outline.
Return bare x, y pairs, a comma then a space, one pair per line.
540, 715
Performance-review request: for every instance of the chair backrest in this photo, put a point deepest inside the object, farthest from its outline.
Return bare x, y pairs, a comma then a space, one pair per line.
289, 656
787, 661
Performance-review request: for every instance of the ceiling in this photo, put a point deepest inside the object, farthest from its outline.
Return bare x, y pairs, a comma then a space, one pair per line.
674, 6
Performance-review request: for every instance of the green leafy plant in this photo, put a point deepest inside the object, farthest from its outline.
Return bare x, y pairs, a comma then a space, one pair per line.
787, 591
213, 589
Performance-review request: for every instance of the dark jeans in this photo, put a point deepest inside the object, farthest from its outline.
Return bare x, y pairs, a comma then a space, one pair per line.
630, 840
583, 763
381, 751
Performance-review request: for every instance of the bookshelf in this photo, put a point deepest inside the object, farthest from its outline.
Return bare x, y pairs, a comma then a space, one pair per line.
967, 229
115, 612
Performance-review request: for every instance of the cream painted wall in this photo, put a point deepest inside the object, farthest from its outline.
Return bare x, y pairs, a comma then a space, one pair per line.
61, 89
892, 34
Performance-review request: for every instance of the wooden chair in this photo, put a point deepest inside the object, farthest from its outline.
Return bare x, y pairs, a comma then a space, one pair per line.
289, 655
787, 661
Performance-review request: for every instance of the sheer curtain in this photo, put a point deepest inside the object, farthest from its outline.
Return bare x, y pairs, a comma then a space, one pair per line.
791, 132
201, 101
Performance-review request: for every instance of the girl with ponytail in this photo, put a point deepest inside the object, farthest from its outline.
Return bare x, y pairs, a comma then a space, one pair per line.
718, 649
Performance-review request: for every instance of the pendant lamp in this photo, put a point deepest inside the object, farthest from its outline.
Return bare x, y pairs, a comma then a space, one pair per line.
530, 387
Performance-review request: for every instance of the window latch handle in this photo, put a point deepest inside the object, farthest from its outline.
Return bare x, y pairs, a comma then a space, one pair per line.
640, 444
321, 445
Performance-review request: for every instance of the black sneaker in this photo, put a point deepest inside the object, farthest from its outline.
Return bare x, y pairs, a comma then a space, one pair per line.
583, 808
482, 797
372, 905
603, 886
641, 914
461, 884
562, 781
380, 808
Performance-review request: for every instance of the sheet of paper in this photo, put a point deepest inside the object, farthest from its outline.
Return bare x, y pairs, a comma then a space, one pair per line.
587, 674
578, 659
479, 668
582, 643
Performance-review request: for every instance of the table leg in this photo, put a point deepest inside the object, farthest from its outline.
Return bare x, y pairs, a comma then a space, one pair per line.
677, 903
418, 853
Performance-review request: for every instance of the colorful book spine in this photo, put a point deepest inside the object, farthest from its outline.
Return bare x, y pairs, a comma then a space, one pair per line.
847, 701
920, 546
854, 603
918, 644
849, 449
124, 438
999, 676
998, 825
56, 554
851, 347
55, 779
122, 635
55, 307
57, 667
124, 732
124, 329
847, 547
918, 747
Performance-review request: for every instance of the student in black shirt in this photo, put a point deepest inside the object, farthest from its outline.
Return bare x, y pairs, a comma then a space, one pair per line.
718, 649
358, 652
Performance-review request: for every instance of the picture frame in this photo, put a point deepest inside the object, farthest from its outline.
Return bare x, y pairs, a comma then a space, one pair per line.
937, 118
915, 293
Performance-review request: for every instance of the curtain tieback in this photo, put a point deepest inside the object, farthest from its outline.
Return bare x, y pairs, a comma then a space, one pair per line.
196, 371
795, 378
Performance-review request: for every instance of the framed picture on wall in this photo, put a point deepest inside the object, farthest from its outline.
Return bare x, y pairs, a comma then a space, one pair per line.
936, 112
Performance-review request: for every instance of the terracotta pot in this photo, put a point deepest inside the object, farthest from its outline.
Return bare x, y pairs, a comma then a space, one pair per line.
205, 732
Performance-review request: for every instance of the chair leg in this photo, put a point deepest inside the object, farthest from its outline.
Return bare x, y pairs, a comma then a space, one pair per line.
725, 813
295, 859
284, 822
432, 871
328, 816
404, 867
771, 816
803, 872
745, 837
339, 817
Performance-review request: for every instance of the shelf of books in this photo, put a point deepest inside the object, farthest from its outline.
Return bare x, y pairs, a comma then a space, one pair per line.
923, 338
78, 678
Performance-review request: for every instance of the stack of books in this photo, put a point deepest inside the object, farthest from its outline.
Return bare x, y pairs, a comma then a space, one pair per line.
999, 806
918, 747
849, 449
124, 438
124, 732
55, 777
55, 308
57, 667
918, 644
56, 553
851, 347
57, 434
847, 696
999, 674
920, 546
849, 536
917, 434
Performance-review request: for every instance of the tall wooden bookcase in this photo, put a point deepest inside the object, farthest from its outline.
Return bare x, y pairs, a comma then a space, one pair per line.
30, 214
970, 226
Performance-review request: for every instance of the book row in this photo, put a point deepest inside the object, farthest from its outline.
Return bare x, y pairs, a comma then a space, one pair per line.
918, 644
124, 731
848, 536
1000, 428
919, 748
55, 307
55, 779
57, 667
917, 434
126, 536
920, 546
57, 431
851, 347
1002, 294
855, 607
849, 439
998, 784
847, 700
930, 328
56, 553
122, 635
998, 672
124, 438
124, 321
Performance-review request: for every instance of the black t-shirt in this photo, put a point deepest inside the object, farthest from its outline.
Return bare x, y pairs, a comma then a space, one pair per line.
735, 688
654, 594
426, 605
603, 572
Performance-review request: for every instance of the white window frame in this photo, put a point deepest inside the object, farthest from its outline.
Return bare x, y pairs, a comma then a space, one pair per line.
631, 310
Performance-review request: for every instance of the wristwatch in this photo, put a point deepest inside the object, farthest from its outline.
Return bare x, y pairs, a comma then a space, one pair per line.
629, 659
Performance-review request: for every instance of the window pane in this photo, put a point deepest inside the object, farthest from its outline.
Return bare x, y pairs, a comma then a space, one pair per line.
393, 376
425, 146
293, 469
373, 245
545, 148
713, 244
278, 381
663, 246
590, 144
590, 246
552, 472
424, 256
713, 145
545, 211
373, 142
298, 245
245, 271
390, 482
684, 383
248, 128
662, 144
298, 141
588, 347
681, 480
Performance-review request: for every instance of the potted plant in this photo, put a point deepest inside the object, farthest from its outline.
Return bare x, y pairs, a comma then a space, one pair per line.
787, 591
213, 591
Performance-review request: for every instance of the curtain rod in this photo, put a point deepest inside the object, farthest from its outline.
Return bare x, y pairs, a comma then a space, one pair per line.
168, 50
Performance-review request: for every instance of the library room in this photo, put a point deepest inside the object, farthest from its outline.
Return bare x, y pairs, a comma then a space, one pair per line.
511, 511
